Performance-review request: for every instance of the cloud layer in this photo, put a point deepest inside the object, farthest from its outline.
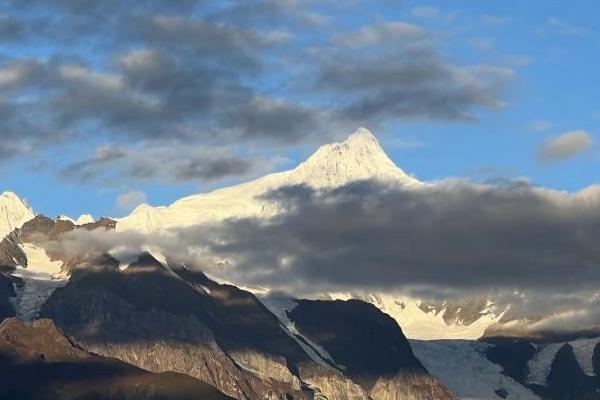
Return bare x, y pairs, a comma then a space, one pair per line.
532, 248
454, 234
208, 74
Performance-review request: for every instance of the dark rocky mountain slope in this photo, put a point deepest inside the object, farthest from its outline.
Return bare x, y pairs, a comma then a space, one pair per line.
38, 362
369, 346
168, 318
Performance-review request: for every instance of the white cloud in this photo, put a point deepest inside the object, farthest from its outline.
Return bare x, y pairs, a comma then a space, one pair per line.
565, 146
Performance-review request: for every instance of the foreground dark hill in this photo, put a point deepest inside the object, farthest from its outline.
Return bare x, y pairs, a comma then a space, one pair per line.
168, 318
38, 362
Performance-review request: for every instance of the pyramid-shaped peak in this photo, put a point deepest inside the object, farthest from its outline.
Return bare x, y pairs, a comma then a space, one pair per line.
358, 157
11, 200
14, 212
10, 196
361, 147
362, 135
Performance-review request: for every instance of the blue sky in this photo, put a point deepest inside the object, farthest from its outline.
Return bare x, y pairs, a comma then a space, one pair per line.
98, 100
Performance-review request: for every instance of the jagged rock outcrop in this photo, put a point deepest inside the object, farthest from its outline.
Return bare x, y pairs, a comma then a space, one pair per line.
38, 362
11, 254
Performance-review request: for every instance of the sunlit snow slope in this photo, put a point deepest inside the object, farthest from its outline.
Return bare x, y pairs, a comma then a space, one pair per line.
358, 157
13, 213
426, 325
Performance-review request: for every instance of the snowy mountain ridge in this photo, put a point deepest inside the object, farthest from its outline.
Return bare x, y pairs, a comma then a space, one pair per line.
83, 219
359, 157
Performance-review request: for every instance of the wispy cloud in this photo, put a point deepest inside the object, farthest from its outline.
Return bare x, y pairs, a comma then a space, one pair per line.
565, 146
556, 26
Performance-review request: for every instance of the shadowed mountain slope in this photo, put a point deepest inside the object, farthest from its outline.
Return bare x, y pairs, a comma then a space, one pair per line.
38, 362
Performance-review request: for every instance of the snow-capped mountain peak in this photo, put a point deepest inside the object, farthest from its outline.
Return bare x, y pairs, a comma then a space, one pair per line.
14, 212
84, 219
359, 157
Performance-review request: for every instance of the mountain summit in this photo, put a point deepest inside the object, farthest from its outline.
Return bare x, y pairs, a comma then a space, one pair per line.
14, 212
359, 157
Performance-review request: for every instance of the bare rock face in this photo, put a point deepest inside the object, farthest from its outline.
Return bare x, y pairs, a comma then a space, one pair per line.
331, 384
409, 386
11, 254
37, 361
38, 340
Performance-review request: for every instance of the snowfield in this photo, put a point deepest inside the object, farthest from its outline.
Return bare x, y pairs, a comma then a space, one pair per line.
41, 277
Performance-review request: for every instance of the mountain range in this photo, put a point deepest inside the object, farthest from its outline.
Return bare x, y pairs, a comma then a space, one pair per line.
154, 326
